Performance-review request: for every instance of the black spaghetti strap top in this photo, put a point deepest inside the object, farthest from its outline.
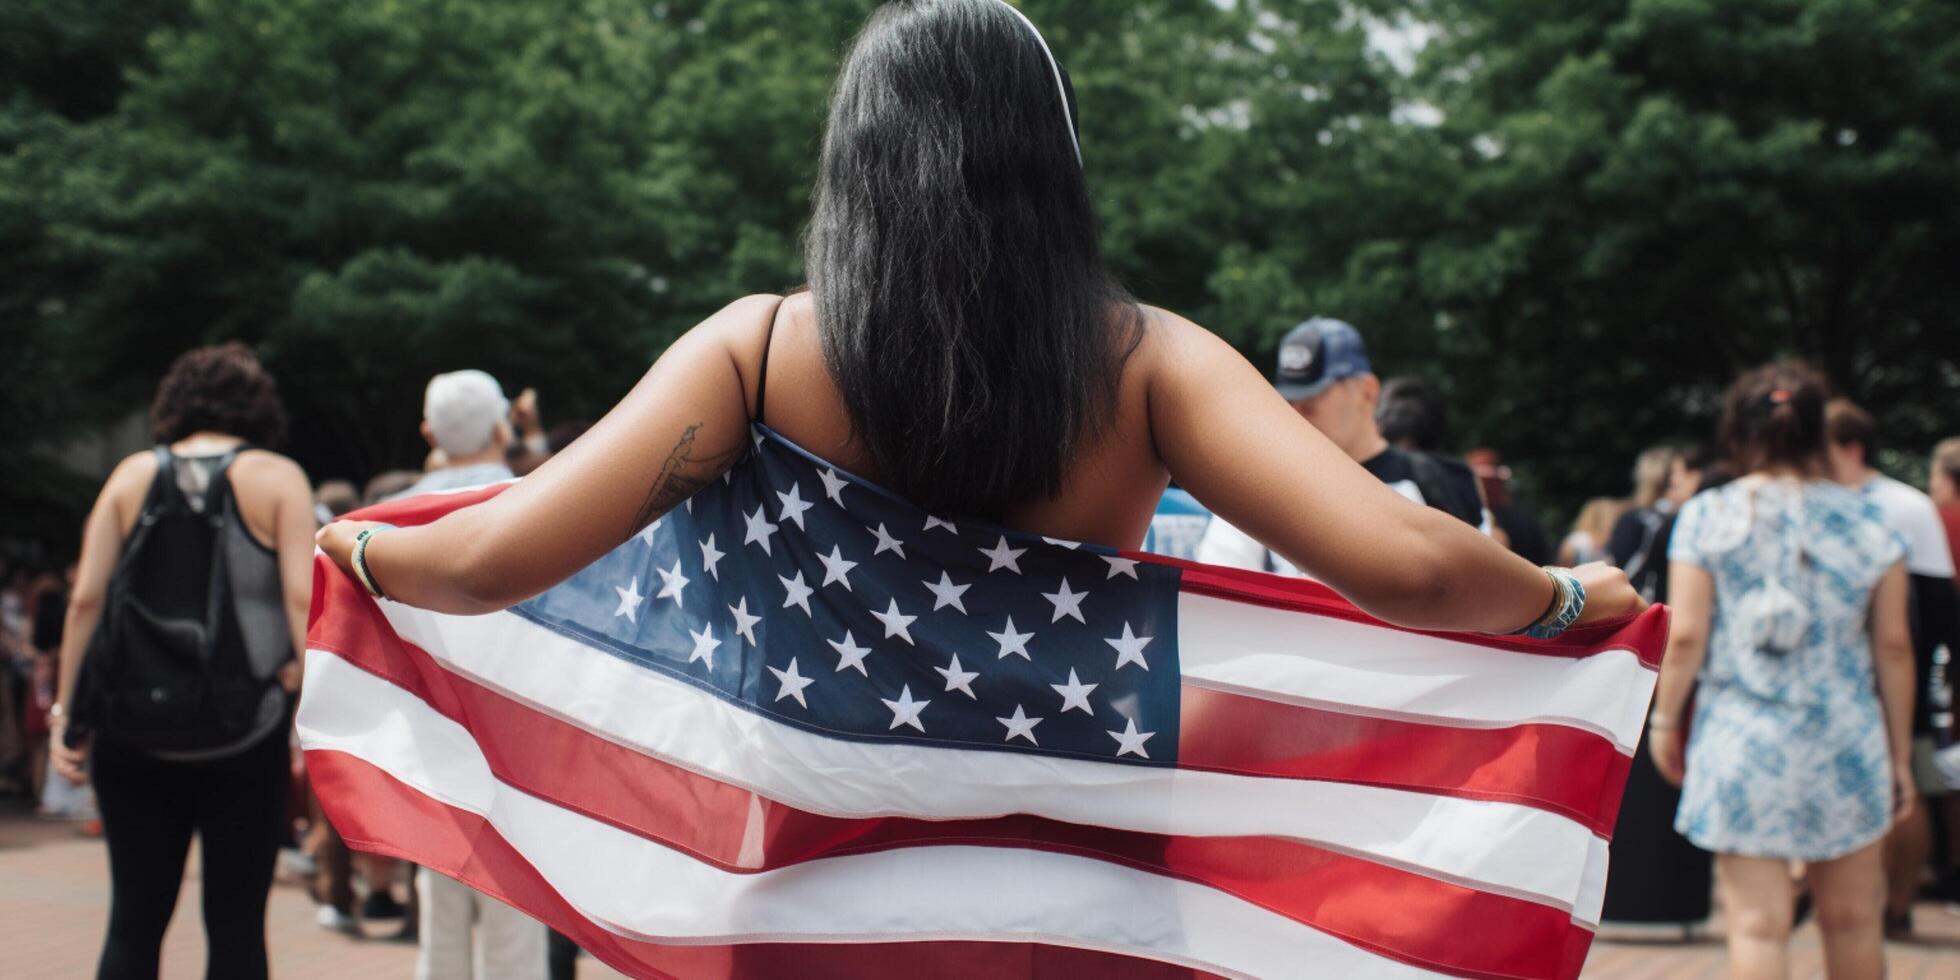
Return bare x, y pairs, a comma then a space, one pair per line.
762, 375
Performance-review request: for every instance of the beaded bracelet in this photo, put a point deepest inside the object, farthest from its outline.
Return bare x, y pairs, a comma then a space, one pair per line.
361, 571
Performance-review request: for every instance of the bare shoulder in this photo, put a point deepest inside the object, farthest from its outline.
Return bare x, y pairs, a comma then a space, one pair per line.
742, 325
267, 470
132, 476
1175, 347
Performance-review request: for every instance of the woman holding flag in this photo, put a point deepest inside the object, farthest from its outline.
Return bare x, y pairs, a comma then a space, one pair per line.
962, 375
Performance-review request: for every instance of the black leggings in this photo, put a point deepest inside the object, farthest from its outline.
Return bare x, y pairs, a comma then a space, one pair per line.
149, 808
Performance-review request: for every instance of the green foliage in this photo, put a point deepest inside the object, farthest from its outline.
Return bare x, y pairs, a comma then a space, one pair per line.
1579, 218
1655, 194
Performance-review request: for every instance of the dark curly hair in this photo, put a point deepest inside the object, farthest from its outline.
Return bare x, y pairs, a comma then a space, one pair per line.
222, 388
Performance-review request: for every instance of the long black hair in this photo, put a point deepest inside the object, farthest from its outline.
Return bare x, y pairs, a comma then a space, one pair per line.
963, 304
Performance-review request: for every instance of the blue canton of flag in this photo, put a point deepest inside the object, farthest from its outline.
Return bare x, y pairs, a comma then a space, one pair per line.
803, 592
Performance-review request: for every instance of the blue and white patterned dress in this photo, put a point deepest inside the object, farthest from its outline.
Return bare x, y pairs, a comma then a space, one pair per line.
1787, 754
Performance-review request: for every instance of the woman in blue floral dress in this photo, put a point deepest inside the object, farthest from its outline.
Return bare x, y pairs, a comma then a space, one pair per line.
1790, 609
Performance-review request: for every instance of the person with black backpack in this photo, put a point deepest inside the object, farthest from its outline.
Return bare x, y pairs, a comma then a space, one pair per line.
179, 660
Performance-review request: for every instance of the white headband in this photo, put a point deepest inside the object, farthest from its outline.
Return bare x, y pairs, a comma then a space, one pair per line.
1061, 92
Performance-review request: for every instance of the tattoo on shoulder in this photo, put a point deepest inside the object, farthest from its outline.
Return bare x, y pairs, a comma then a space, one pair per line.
685, 471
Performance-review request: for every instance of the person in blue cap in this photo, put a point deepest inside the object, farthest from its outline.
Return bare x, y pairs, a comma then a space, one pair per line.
1324, 372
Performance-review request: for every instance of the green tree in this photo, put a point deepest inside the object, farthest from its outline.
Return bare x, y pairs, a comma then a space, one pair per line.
1651, 195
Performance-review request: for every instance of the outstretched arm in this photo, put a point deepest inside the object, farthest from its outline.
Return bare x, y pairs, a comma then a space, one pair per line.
681, 426
1227, 437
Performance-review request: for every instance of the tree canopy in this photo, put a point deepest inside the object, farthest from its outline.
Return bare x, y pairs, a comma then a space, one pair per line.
1578, 219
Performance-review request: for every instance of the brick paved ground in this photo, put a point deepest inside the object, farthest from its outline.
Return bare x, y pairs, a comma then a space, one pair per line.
53, 900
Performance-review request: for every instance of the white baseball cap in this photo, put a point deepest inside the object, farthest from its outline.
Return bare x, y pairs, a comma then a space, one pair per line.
464, 409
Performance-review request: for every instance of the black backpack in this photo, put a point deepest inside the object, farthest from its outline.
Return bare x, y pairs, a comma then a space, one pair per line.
172, 664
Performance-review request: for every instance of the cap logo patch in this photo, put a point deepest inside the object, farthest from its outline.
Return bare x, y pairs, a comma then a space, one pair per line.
1295, 358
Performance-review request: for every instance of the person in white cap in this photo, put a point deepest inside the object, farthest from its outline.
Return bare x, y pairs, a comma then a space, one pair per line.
464, 933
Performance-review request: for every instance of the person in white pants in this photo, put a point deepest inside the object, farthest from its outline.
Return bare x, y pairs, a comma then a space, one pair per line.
467, 935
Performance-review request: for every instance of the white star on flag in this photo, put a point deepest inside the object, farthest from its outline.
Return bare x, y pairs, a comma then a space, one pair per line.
1129, 648
957, 679
1130, 741
799, 594
710, 558
1012, 642
792, 683
1067, 603
1075, 694
886, 543
905, 711
1020, 726
835, 568
849, 654
896, 623
1062, 542
1120, 566
744, 623
793, 506
946, 593
671, 583
759, 530
833, 486
646, 533
629, 601
704, 645
1001, 556
932, 522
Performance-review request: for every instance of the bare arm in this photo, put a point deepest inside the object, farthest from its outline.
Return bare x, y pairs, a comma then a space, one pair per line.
102, 541
681, 426
1892, 656
294, 525
1246, 454
1691, 595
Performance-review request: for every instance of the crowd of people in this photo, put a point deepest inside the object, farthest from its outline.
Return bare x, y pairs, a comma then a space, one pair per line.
1814, 604
1800, 730
1803, 733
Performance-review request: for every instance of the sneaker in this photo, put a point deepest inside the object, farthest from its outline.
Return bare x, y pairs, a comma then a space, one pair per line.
298, 863
381, 905
334, 920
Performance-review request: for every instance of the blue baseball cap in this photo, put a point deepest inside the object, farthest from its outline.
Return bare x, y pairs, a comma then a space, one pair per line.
1316, 354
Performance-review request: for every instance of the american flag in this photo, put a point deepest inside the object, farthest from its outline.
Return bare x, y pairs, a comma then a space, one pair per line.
798, 727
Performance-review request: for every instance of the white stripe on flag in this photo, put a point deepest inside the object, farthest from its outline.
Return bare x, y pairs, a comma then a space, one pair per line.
642, 890
1499, 847
1327, 661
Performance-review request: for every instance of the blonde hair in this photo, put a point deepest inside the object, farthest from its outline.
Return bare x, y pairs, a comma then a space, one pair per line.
1946, 458
1598, 516
1650, 473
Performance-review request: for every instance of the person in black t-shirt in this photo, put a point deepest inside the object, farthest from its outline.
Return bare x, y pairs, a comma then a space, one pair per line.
1324, 371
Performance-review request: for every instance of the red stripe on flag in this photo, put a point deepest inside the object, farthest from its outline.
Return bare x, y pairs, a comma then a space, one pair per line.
1553, 767
425, 508
1397, 913
376, 813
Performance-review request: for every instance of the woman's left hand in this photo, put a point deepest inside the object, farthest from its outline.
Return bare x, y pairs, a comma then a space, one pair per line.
1664, 746
337, 540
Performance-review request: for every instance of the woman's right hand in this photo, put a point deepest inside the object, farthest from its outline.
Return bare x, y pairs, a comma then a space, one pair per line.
1665, 748
1609, 595
70, 763
1905, 790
